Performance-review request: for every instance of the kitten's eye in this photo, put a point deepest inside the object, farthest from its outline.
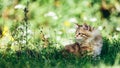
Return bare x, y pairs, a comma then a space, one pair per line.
79, 33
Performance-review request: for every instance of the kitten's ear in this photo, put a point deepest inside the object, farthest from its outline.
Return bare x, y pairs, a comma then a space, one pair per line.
90, 28
85, 26
77, 25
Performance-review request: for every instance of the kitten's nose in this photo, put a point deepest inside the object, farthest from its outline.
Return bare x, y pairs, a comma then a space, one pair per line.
76, 36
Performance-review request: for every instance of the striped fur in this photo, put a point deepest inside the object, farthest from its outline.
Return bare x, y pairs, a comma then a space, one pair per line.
87, 39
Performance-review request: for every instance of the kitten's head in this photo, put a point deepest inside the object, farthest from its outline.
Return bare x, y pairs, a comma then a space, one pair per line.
83, 32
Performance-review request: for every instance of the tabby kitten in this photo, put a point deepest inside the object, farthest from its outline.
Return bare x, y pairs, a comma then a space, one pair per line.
88, 40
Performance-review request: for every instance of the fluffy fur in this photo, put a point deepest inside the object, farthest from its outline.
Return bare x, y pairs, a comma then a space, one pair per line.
88, 39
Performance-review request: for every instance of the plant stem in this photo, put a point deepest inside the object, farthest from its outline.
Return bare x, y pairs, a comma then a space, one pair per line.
26, 20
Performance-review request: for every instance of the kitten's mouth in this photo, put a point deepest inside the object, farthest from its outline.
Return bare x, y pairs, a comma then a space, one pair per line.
79, 40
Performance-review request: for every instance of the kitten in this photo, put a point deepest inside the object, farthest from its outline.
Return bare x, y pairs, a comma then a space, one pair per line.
77, 50
88, 39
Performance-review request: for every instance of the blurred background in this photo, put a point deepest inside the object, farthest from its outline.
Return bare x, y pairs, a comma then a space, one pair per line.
52, 22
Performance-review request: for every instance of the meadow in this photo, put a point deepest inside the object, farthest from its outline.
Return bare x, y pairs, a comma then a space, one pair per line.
33, 32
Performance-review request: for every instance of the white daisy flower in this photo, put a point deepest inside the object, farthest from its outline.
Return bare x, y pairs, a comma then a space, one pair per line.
47, 36
100, 28
58, 38
19, 6
71, 30
51, 14
85, 18
117, 6
59, 32
73, 20
29, 32
118, 28
55, 17
93, 19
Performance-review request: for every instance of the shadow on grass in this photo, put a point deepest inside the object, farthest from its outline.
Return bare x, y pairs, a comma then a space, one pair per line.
110, 51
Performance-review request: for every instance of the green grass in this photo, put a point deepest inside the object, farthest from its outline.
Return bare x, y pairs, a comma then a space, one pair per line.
52, 19
49, 59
